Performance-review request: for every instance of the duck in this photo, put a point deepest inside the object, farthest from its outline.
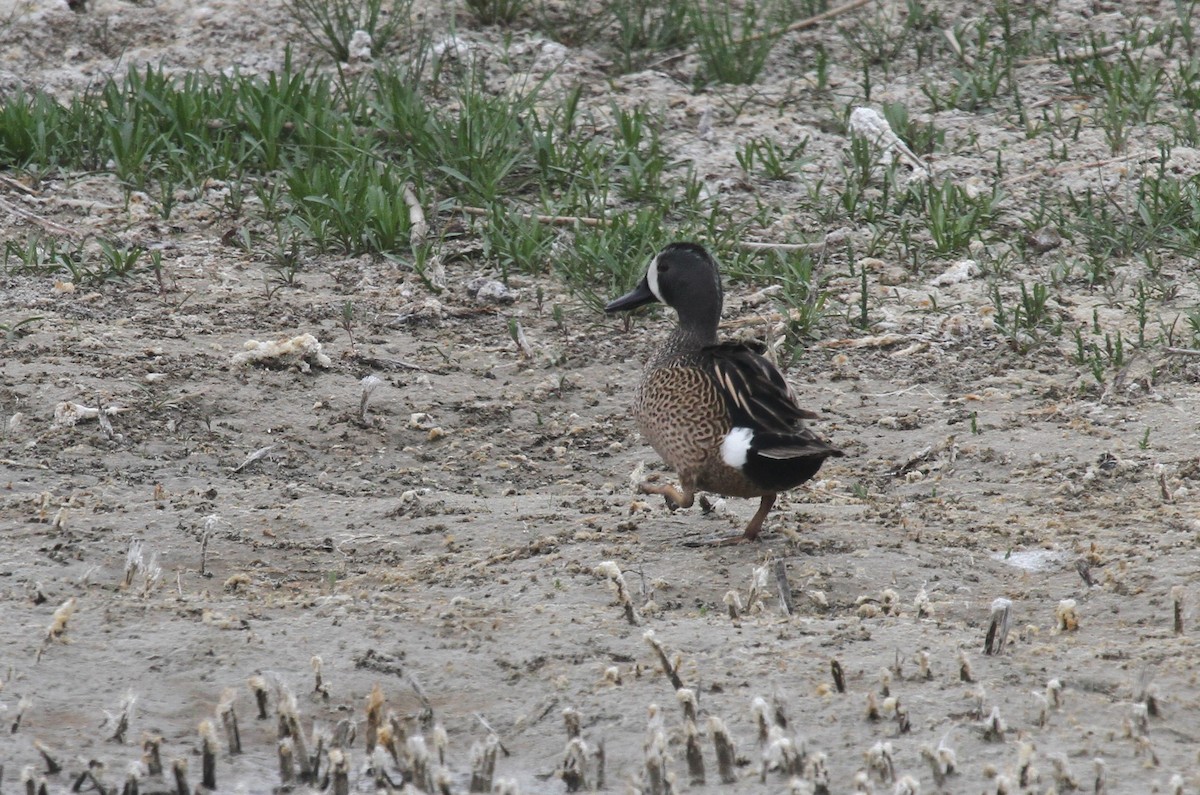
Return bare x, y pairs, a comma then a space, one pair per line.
719, 414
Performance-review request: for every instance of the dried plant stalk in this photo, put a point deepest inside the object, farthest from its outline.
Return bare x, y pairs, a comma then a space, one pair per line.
208, 755
229, 723
726, 753
668, 668
997, 633
695, 758
374, 717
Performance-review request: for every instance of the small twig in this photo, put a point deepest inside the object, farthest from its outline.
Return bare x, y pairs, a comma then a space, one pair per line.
839, 677
612, 572
492, 732
418, 226
1074, 57
208, 755
483, 764
15, 185
287, 768
695, 758
552, 220
1048, 101
152, 756
102, 417
204, 552
751, 246
668, 669
391, 364
726, 754
1177, 597
53, 766
734, 602
179, 768
339, 769
1084, 570
518, 337
804, 24
259, 687
121, 721
22, 704
374, 717
997, 633
1070, 167
785, 588
1183, 351
48, 225
255, 456
319, 686
229, 721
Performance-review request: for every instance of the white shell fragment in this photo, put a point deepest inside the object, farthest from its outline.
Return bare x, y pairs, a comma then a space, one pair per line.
956, 273
869, 124
302, 351
68, 413
490, 291
360, 46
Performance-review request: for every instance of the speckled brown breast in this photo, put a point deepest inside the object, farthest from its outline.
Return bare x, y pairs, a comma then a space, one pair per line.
683, 417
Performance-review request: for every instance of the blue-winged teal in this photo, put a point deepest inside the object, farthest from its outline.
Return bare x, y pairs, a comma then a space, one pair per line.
719, 414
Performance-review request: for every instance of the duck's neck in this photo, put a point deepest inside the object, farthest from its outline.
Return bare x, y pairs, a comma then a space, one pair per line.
686, 341
699, 332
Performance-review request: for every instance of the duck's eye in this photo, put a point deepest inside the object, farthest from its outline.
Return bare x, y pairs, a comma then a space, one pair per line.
663, 267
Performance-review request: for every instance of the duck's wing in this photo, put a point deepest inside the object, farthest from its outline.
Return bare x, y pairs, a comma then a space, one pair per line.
799, 444
754, 390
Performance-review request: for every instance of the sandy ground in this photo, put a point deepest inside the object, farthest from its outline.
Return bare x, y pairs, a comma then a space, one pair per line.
444, 546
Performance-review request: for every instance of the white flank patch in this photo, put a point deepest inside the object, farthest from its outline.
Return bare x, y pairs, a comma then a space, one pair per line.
652, 279
735, 446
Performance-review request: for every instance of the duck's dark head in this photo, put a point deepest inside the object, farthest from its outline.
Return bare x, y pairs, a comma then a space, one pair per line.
684, 277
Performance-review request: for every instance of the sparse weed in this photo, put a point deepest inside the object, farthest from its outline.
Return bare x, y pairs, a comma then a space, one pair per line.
881, 39
12, 331
734, 46
331, 24
482, 147
956, 218
802, 296
1024, 320
645, 28
1100, 359
640, 162
763, 155
573, 24
923, 139
283, 258
565, 156
1192, 318
117, 262
496, 12
357, 207
39, 256
517, 243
